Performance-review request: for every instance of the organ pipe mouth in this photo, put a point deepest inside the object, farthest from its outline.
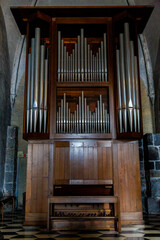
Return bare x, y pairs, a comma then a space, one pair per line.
127, 84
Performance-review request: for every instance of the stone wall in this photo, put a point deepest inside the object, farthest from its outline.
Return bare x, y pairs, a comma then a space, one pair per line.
149, 149
4, 95
10, 161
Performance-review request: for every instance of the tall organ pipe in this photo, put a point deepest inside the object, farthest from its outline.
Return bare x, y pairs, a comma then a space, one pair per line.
32, 82
41, 88
82, 54
76, 53
62, 58
119, 91
79, 63
59, 56
65, 62
36, 85
85, 58
28, 92
89, 69
133, 85
102, 59
45, 95
105, 56
137, 94
128, 74
123, 82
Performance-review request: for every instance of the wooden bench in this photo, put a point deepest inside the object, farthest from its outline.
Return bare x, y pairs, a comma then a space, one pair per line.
4, 201
84, 200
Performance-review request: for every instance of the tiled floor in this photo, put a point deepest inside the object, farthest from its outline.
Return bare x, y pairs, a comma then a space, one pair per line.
12, 228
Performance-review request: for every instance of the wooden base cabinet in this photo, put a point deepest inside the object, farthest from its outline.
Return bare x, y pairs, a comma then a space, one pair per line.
69, 163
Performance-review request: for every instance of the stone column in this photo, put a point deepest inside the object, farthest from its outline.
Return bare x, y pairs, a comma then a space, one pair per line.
10, 161
152, 171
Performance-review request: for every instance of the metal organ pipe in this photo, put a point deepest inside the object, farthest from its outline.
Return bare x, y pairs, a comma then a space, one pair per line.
82, 119
32, 82
82, 64
137, 94
28, 92
133, 86
41, 88
123, 81
37, 71
119, 91
127, 84
45, 94
128, 74
37, 86
105, 56
59, 55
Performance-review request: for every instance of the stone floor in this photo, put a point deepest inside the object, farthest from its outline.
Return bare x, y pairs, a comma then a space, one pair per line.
12, 228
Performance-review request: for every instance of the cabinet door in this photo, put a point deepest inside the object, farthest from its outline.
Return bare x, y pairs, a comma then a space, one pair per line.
85, 162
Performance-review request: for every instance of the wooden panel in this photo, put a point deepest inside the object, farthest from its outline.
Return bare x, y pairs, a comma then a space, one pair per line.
28, 181
128, 177
37, 180
76, 162
104, 155
132, 218
83, 224
61, 162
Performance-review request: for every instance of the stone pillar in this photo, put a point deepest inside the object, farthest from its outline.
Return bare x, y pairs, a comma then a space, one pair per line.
152, 171
10, 161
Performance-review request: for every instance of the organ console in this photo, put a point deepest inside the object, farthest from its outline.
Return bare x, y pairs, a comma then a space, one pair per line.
82, 115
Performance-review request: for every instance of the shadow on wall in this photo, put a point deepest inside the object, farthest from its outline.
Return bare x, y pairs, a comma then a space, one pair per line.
5, 111
157, 90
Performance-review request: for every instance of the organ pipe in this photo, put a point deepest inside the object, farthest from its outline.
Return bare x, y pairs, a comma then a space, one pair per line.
123, 81
32, 82
82, 119
128, 74
28, 91
119, 91
83, 63
41, 87
37, 86
127, 84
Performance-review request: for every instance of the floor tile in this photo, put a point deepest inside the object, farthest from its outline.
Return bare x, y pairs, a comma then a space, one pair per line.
153, 238
113, 238
89, 235
27, 233
9, 236
31, 238
24, 237
129, 235
46, 236
108, 232
12, 228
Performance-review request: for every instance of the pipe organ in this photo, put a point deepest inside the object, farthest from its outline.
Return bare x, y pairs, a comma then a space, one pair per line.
82, 115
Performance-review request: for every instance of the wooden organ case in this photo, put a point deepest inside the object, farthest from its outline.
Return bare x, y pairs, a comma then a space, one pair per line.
82, 115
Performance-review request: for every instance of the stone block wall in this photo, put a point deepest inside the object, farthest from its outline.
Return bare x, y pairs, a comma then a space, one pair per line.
10, 161
149, 149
